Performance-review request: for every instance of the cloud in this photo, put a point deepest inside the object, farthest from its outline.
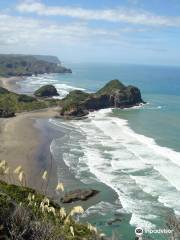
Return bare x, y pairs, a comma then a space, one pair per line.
25, 34
30, 31
111, 15
24, 31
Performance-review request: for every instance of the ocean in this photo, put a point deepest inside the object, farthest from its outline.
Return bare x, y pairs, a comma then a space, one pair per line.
133, 153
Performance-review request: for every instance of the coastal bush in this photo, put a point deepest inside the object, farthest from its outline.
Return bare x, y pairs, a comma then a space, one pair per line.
73, 100
19, 103
27, 214
26, 98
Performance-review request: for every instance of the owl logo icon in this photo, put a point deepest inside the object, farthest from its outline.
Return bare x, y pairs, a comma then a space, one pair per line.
139, 232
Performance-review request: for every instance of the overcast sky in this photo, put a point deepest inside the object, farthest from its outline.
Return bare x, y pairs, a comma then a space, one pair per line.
125, 31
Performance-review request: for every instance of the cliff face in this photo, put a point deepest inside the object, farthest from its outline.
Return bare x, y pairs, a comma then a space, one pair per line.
127, 97
113, 95
27, 65
47, 58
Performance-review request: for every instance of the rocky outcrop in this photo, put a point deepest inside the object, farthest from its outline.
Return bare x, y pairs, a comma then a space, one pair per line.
120, 98
46, 91
78, 195
5, 113
77, 111
113, 95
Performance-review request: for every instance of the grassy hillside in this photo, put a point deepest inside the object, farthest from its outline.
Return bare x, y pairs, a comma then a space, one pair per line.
111, 86
27, 214
73, 99
20, 102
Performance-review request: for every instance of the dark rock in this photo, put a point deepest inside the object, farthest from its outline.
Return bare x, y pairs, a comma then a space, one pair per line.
3, 90
46, 91
78, 194
114, 221
113, 95
5, 113
75, 112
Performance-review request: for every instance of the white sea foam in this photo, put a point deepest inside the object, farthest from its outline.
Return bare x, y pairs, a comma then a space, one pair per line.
62, 88
102, 208
143, 174
137, 220
122, 161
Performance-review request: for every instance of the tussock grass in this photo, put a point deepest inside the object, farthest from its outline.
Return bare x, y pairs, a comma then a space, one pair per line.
28, 214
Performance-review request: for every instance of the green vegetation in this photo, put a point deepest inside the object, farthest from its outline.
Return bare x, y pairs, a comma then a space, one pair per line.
26, 98
113, 95
74, 99
46, 91
27, 65
111, 86
28, 214
19, 102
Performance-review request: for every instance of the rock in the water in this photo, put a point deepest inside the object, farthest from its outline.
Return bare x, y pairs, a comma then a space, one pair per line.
113, 95
116, 220
46, 91
75, 111
78, 194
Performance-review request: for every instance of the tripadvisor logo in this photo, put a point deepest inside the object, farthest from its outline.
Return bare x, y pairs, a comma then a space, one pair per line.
139, 232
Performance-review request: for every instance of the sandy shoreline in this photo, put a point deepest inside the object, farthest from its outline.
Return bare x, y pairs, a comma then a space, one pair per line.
11, 83
19, 141
25, 140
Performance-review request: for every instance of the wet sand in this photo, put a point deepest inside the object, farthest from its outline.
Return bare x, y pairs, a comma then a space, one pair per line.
11, 83
20, 140
25, 140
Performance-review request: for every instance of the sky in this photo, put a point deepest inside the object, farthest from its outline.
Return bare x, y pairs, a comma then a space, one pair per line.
114, 31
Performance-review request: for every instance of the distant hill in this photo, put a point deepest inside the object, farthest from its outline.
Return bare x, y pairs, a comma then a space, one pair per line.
27, 65
51, 59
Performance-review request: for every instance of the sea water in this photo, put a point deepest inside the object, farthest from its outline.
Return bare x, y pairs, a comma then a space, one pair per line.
135, 152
